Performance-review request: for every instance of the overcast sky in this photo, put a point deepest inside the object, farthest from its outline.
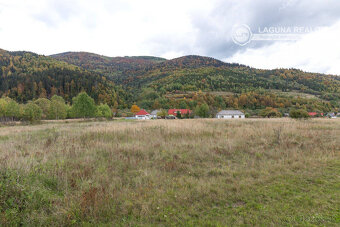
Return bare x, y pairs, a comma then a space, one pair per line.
173, 28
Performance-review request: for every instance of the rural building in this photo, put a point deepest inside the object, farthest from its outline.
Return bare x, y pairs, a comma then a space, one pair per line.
175, 111
153, 114
331, 115
142, 115
315, 114
230, 114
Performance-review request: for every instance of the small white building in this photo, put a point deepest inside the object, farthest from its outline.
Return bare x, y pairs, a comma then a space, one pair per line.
142, 115
332, 115
230, 114
153, 114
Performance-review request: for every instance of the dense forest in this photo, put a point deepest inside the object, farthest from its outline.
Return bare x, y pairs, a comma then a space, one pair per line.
106, 65
27, 76
152, 83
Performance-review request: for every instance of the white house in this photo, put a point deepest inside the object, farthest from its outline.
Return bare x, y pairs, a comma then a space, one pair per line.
153, 114
332, 115
142, 115
230, 114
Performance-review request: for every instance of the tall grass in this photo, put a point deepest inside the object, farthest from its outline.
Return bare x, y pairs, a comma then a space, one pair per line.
181, 172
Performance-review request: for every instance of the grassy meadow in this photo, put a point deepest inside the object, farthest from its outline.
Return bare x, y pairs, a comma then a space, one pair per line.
262, 172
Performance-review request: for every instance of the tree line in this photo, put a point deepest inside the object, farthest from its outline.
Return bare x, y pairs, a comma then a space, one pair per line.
83, 106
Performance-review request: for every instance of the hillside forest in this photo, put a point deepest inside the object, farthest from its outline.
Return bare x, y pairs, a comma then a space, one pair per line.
157, 83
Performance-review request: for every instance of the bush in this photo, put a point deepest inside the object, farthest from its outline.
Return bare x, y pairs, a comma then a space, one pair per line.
298, 114
104, 110
270, 112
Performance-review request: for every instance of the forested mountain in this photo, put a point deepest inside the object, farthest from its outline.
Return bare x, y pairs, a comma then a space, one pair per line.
193, 73
191, 80
106, 65
152, 82
26, 76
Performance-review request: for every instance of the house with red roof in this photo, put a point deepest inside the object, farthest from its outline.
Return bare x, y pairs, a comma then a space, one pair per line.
315, 114
175, 111
142, 115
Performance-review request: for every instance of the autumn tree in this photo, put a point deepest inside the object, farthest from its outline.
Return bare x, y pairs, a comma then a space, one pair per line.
135, 109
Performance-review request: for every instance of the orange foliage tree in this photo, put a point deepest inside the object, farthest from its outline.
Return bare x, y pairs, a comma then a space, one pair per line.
135, 109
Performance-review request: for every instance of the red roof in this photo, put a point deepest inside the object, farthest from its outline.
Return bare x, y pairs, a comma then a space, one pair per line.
312, 114
182, 111
142, 112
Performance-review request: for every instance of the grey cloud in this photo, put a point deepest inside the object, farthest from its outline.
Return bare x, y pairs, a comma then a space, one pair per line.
214, 29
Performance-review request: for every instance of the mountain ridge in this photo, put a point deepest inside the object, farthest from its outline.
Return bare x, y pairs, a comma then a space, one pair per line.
148, 80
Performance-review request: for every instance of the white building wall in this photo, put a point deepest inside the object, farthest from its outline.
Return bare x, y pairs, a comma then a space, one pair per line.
142, 117
230, 116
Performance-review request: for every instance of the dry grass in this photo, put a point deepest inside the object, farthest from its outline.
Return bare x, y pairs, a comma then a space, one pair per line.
181, 172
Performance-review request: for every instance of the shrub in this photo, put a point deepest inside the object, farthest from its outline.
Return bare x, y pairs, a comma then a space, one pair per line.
298, 114
270, 112
104, 110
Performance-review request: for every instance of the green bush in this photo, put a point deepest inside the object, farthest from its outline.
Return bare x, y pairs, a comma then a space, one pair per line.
298, 114
270, 112
104, 110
